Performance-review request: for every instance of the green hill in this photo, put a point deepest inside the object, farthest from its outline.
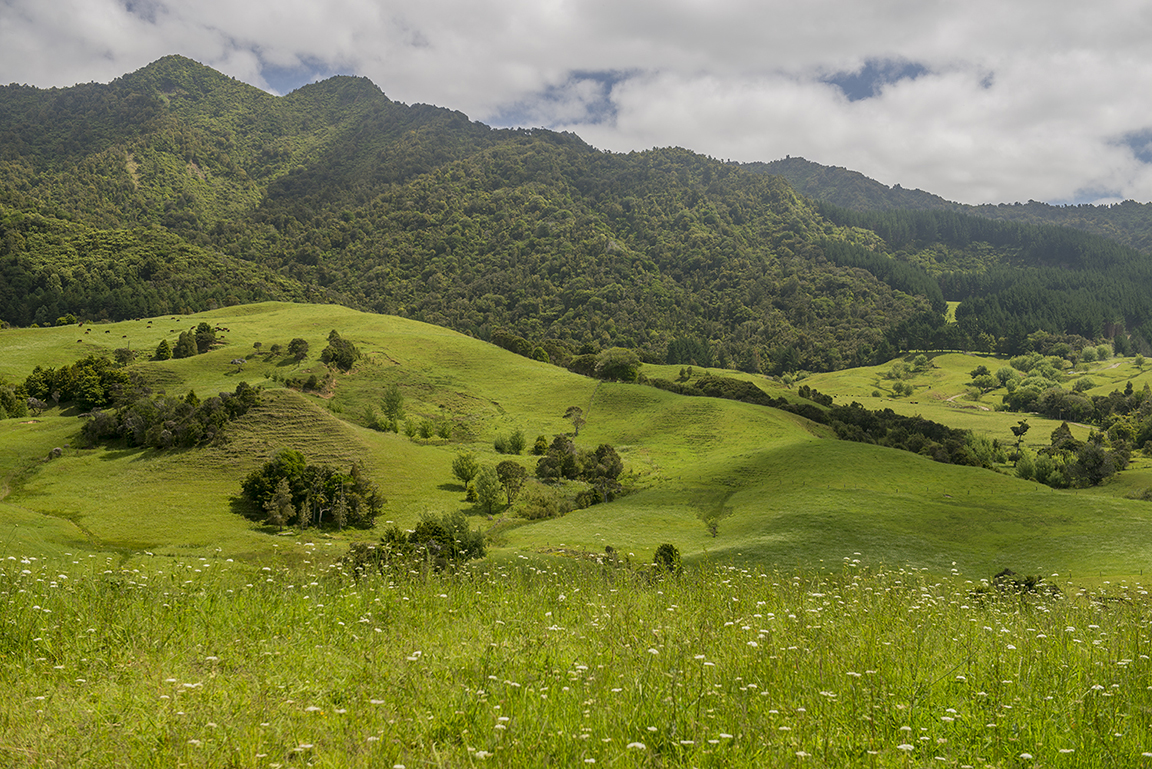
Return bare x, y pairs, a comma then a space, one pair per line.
784, 490
335, 193
1128, 223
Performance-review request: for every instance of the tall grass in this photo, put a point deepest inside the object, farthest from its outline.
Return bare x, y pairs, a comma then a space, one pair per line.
212, 663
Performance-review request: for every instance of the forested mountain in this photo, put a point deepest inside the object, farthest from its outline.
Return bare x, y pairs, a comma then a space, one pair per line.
176, 188
1128, 223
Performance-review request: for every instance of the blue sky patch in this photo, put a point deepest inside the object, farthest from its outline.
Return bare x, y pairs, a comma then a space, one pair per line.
283, 80
591, 90
873, 76
1140, 142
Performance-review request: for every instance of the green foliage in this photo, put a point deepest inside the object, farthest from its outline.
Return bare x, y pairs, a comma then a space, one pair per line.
340, 353
92, 382
298, 349
513, 443
393, 404
488, 489
618, 364
512, 476
185, 345
436, 541
667, 559
163, 350
205, 337
465, 466
313, 489
163, 422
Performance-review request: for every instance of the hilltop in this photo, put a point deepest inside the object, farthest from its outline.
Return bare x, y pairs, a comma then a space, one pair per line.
336, 193
1128, 222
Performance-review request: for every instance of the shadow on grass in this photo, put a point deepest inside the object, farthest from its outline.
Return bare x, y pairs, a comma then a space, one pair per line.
115, 453
453, 487
238, 505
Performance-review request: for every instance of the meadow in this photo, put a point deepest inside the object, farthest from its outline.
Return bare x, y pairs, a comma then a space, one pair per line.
841, 615
202, 663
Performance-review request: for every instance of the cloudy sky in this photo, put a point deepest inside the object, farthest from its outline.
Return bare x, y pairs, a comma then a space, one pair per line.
978, 101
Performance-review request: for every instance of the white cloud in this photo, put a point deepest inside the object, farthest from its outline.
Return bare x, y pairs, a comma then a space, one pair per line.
1012, 101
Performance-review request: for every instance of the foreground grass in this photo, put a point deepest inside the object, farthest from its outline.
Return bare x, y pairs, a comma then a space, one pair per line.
213, 663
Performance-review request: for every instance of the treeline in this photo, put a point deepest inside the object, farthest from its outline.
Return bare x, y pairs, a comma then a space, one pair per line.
1019, 278
164, 422
51, 268
185, 190
1128, 223
854, 422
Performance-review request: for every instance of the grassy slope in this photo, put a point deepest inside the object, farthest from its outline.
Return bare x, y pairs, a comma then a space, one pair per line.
790, 496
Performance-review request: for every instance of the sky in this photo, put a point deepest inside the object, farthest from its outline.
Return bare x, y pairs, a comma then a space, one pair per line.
982, 101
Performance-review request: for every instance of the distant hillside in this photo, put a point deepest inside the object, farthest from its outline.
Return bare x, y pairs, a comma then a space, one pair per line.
1128, 223
336, 193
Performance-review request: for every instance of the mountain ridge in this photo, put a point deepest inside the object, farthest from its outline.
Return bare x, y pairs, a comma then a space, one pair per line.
417, 210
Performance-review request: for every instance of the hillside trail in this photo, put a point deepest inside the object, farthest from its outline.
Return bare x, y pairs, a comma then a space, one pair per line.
975, 406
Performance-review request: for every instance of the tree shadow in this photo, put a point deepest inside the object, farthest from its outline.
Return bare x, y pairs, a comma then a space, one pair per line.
238, 505
453, 487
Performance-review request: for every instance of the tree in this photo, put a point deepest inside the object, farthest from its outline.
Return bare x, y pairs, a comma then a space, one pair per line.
512, 476
465, 467
618, 364
488, 489
602, 469
575, 414
205, 337
298, 349
279, 506
393, 404
339, 352
185, 345
559, 462
163, 350
340, 509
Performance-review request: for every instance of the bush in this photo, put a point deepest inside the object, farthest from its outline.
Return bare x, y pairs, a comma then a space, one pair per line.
667, 559
340, 352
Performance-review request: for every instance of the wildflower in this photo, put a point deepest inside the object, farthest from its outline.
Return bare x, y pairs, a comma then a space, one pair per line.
636, 746
905, 746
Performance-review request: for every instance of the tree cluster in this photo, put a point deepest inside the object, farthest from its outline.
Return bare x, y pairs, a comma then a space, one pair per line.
1069, 463
91, 382
339, 353
438, 542
164, 422
288, 490
600, 468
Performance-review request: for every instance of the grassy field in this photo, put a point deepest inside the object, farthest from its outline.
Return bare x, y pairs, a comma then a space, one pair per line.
205, 662
787, 494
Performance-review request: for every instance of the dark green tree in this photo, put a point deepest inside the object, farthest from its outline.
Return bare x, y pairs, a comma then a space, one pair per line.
185, 345
512, 476
340, 352
298, 348
278, 507
205, 337
667, 559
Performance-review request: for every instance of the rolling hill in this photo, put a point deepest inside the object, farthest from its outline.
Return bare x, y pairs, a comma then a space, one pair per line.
786, 491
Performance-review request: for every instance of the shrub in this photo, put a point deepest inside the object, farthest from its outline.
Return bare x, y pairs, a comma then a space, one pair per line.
667, 559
